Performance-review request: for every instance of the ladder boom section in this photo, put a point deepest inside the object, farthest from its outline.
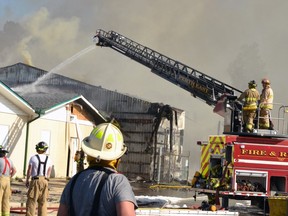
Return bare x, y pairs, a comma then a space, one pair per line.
198, 84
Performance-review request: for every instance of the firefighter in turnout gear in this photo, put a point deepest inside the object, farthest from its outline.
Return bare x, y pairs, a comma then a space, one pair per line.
250, 97
266, 105
79, 158
7, 170
39, 170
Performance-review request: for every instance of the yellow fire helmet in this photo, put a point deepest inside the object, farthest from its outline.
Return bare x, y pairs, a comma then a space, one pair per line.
105, 142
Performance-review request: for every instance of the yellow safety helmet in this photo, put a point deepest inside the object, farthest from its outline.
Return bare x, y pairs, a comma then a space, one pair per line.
105, 142
252, 84
265, 81
41, 146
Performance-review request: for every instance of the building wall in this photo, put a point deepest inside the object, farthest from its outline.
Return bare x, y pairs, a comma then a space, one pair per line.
13, 121
15, 142
61, 133
137, 129
52, 128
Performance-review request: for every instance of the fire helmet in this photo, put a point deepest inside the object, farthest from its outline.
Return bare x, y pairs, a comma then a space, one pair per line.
105, 142
3, 150
252, 84
265, 81
41, 146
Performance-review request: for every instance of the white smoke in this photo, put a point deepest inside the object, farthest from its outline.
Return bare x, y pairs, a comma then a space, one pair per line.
232, 41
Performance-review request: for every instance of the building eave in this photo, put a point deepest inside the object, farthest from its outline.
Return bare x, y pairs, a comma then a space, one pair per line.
16, 99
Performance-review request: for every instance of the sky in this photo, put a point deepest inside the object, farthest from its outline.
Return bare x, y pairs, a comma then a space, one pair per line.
230, 40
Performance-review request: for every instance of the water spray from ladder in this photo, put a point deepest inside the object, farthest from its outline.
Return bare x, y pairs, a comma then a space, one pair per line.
32, 87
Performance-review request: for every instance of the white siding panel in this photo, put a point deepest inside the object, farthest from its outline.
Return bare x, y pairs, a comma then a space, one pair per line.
7, 106
57, 115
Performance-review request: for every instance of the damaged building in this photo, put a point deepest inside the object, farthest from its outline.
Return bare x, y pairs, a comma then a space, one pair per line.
153, 132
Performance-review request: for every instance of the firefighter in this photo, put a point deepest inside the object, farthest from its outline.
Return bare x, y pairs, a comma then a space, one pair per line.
79, 158
266, 105
250, 97
100, 189
39, 169
7, 170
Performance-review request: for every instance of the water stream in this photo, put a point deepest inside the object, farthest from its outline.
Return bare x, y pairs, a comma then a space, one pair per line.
71, 59
33, 86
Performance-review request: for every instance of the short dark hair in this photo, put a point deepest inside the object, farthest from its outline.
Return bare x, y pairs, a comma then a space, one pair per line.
2, 154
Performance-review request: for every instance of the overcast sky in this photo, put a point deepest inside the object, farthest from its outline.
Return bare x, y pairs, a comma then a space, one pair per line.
233, 41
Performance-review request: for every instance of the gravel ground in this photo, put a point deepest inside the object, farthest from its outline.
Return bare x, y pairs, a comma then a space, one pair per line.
19, 190
181, 197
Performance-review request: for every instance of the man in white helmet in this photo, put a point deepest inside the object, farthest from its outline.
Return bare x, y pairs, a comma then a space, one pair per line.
99, 189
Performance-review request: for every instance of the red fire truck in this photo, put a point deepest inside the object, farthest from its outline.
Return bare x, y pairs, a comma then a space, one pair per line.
243, 167
236, 164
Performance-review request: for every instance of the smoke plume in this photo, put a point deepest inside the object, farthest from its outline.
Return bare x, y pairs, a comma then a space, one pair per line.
232, 41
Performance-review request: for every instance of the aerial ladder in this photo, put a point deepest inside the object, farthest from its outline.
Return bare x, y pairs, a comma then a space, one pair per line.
221, 96
212, 91
197, 83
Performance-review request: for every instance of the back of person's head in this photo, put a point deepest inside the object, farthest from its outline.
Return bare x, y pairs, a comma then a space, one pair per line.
105, 143
41, 147
252, 84
3, 151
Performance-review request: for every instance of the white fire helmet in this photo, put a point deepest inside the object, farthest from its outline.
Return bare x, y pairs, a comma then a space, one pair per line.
105, 142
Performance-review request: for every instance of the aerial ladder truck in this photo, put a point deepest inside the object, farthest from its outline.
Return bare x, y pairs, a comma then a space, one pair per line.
236, 164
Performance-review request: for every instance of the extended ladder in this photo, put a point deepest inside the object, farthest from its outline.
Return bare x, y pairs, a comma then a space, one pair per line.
198, 84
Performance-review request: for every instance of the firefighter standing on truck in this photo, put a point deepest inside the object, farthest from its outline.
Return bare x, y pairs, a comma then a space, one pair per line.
266, 105
39, 169
250, 97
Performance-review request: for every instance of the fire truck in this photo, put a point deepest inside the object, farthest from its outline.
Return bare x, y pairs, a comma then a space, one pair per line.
236, 164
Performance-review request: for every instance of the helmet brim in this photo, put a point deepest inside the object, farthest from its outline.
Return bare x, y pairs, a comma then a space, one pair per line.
4, 151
